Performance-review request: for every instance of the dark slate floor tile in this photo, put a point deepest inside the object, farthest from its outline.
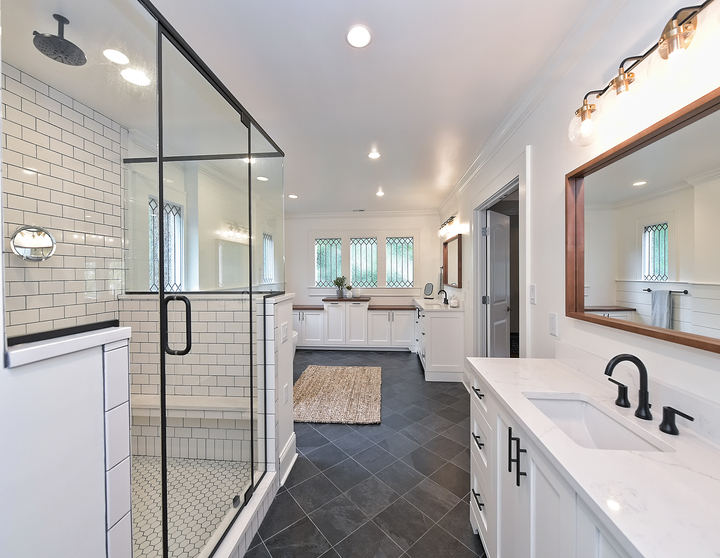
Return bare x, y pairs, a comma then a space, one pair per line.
436, 423
444, 447
430, 405
452, 478
431, 499
398, 445
310, 440
372, 496
314, 493
368, 542
281, 516
444, 398
424, 461
257, 539
438, 542
301, 471
301, 539
457, 523
374, 458
338, 518
330, 554
463, 405
458, 434
415, 413
403, 523
453, 415
418, 433
348, 473
394, 404
397, 421
258, 551
400, 477
353, 443
333, 431
326, 456
376, 432
462, 460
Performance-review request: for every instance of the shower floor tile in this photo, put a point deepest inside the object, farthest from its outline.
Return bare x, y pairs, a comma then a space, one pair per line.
200, 494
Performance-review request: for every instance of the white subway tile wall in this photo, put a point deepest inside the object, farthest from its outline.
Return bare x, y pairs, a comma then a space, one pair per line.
62, 171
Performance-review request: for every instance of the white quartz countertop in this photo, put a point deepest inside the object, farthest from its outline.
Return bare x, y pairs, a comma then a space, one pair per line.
435, 304
655, 503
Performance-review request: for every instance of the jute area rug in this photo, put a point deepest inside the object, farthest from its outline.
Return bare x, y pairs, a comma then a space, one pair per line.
338, 394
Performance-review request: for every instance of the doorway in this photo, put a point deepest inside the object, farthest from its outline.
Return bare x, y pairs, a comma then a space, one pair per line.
497, 236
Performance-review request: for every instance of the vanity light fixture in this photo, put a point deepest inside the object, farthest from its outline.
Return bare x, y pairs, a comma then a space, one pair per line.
262, 178
359, 36
640, 183
373, 154
446, 227
622, 81
137, 77
116, 56
292, 196
678, 32
583, 129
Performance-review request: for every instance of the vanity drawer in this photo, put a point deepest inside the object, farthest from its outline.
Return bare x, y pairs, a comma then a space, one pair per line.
479, 395
482, 512
481, 445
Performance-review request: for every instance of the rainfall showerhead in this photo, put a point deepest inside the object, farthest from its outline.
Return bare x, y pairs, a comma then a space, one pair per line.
58, 47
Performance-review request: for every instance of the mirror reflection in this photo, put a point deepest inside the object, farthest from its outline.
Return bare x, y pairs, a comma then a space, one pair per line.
652, 223
452, 261
33, 244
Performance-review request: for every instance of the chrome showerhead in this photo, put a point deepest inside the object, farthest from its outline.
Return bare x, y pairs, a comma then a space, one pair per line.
58, 47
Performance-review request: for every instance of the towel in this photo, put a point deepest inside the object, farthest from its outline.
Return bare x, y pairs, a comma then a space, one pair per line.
661, 309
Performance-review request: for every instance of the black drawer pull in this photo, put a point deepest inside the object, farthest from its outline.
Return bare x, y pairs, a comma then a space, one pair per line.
477, 440
479, 393
477, 499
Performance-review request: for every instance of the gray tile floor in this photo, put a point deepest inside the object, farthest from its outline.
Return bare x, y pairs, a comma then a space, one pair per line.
200, 494
400, 488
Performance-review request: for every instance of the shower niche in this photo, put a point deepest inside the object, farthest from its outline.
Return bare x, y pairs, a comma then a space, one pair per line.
165, 201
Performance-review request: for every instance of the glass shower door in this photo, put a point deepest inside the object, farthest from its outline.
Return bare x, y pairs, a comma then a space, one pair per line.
207, 313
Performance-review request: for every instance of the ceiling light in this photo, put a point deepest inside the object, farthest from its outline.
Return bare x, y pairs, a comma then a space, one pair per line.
359, 36
373, 154
678, 33
247, 160
292, 196
116, 56
641, 183
135, 76
262, 178
380, 192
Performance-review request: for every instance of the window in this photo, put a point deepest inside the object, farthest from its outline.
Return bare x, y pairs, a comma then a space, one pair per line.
173, 242
655, 252
268, 259
399, 268
363, 262
328, 261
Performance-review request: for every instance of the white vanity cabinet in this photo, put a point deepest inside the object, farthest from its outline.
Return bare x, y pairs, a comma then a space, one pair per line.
520, 504
392, 328
441, 342
346, 322
309, 325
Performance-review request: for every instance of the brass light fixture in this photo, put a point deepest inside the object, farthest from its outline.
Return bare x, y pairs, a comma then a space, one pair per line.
679, 31
445, 228
582, 129
622, 81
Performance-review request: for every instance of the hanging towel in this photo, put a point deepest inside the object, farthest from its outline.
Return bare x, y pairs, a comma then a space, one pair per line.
661, 309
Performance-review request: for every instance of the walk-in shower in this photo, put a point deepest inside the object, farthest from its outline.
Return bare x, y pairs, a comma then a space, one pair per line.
166, 202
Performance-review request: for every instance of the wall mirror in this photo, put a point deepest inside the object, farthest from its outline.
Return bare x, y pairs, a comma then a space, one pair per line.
643, 223
32, 243
452, 261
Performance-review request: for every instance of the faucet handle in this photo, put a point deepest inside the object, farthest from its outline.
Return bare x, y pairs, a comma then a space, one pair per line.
668, 422
622, 397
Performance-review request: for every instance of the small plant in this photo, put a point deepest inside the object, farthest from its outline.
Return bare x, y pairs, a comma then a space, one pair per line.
348, 287
339, 282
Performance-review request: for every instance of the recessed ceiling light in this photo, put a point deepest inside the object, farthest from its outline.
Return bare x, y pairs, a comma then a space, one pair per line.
359, 36
116, 56
641, 183
373, 154
247, 160
262, 178
135, 76
380, 192
292, 196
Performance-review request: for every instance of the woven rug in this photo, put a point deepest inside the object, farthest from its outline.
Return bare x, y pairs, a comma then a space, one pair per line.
338, 394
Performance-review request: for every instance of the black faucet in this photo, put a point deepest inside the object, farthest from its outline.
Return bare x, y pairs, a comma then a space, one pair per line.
445, 294
643, 410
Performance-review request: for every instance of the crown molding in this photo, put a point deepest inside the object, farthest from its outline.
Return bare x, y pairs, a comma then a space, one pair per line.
362, 214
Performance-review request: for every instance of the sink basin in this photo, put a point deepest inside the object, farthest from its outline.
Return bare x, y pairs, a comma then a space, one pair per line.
589, 425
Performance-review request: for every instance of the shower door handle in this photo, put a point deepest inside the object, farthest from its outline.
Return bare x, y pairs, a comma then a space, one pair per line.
188, 331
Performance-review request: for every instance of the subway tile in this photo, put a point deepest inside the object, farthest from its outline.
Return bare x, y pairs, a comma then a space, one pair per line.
19, 89
30, 108
47, 102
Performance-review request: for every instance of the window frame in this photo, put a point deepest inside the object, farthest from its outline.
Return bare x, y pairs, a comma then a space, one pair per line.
178, 246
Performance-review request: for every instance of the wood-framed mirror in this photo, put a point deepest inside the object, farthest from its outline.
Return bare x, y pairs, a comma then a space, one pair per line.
452, 262
616, 275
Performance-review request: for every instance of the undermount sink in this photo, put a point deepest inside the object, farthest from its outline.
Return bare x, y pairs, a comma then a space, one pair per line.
589, 425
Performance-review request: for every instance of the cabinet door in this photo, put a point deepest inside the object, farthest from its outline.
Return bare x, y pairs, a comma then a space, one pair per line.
378, 328
335, 323
591, 538
297, 324
403, 329
356, 324
312, 327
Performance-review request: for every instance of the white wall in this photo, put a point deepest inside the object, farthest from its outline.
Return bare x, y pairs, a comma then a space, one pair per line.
592, 54
301, 231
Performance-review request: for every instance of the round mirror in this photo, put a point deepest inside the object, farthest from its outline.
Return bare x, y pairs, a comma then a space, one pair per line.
428, 289
31, 243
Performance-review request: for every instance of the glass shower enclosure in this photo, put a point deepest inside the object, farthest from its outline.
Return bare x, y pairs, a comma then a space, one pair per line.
177, 232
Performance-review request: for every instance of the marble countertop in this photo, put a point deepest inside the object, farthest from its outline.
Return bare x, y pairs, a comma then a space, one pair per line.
435, 304
662, 503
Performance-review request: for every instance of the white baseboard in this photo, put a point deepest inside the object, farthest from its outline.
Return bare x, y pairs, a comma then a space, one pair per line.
288, 456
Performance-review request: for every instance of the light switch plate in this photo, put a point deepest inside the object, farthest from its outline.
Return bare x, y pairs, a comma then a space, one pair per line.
533, 294
553, 324
284, 332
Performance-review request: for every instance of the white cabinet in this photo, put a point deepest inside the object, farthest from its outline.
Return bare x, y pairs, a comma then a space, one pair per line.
356, 323
346, 323
626, 315
441, 344
394, 328
334, 323
309, 325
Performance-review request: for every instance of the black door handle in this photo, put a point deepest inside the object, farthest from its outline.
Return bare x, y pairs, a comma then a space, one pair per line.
477, 499
480, 445
188, 330
518, 451
478, 393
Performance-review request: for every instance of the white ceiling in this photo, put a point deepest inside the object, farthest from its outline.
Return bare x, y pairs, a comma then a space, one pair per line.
428, 92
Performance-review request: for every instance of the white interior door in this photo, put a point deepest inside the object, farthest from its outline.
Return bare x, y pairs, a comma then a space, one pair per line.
498, 268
